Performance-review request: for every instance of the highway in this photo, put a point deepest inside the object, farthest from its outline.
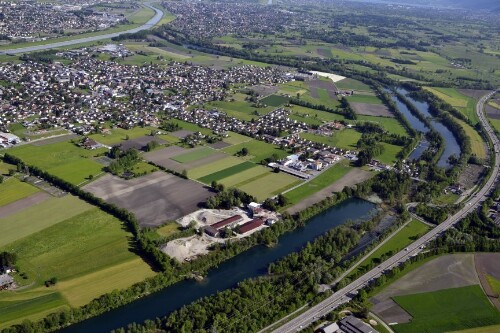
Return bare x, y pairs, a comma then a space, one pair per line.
149, 24
345, 294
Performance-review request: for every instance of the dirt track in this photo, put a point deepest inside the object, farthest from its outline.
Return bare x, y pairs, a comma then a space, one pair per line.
154, 199
353, 177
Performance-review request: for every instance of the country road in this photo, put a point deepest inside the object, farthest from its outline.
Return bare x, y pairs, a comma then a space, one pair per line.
149, 24
347, 293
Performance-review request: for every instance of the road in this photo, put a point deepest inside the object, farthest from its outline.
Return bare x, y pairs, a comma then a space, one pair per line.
348, 292
149, 24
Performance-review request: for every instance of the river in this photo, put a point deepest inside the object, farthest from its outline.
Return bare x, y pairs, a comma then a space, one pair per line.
249, 264
451, 145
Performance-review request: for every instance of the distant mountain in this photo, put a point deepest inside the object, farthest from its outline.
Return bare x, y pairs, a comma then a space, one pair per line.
490, 5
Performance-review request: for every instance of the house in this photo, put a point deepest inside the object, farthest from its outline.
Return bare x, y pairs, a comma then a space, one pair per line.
91, 144
8, 138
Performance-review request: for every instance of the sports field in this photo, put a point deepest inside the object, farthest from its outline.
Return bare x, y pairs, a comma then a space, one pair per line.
447, 310
326, 178
257, 150
12, 189
62, 159
270, 185
397, 242
233, 170
194, 155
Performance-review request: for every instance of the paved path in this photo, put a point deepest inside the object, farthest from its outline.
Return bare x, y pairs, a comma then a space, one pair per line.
151, 23
345, 294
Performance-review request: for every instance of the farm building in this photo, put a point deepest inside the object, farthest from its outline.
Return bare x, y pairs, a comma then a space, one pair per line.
229, 222
249, 226
5, 281
211, 231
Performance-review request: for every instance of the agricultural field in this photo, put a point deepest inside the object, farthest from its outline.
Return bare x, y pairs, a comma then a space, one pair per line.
193, 155
241, 109
478, 145
321, 181
13, 189
62, 159
391, 125
396, 243
118, 135
447, 310
210, 168
366, 99
257, 150
274, 100
235, 138
389, 154
441, 294
19, 224
313, 116
154, 199
463, 103
86, 249
351, 84
228, 172
269, 185
257, 171
345, 139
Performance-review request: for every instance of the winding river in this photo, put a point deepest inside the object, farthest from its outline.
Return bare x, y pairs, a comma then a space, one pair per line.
249, 264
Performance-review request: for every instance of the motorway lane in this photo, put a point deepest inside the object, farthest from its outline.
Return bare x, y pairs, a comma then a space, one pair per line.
149, 24
345, 294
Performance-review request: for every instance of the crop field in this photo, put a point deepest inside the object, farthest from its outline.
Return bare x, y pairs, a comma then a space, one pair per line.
375, 110
274, 100
46, 214
215, 166
193, 155
367, 99
321, 181
350, 84
447, 310
62, 159
86, 252
191, 127
33, 306
249, 175
234, 170
117, 135
346, 139
257, 150
4, 168
398, 242
465, 104
13, 189
494, 284
155, 198
270, 185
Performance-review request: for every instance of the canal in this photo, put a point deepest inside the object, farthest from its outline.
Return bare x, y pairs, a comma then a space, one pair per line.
249, 264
